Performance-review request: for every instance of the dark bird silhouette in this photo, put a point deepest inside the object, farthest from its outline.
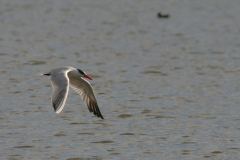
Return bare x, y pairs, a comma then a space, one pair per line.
160, 15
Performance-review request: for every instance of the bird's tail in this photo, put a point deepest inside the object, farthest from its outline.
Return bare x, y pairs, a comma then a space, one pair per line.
44, 74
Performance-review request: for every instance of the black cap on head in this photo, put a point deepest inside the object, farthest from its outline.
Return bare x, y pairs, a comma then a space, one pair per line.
81, 72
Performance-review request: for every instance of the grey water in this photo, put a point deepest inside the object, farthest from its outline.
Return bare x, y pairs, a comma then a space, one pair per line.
167, 88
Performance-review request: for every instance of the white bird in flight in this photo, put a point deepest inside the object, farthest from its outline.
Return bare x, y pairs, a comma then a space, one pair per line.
61, 78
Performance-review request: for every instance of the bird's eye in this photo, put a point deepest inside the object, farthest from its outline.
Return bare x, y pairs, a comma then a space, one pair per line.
80, 71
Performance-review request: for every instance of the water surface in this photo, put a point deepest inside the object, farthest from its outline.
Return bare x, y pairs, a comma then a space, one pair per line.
167, 88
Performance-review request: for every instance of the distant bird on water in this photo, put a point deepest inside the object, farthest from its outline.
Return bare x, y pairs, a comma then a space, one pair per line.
62, 78
160, 15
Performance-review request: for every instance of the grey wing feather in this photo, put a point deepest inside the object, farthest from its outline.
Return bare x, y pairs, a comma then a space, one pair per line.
83, 87
60, 83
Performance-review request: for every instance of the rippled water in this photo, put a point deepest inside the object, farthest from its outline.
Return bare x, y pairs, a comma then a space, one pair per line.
167, 88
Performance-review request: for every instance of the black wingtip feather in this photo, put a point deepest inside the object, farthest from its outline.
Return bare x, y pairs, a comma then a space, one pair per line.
54, 107
93, 107
58, 101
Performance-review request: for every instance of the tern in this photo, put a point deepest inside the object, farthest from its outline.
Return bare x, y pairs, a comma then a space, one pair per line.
62, 78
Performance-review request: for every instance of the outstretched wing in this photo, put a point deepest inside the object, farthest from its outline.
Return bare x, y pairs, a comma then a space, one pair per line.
60, 83
84, 88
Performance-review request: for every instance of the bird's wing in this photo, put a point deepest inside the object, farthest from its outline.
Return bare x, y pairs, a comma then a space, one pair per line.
84, 88
60, 83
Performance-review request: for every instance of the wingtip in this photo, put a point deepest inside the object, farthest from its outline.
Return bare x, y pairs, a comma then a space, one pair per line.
55, 109
99, 114
57, 112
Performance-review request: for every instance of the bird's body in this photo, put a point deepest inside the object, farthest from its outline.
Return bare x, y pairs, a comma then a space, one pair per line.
160, 15
62, 78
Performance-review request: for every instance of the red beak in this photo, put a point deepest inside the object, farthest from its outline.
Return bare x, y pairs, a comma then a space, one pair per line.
87, 76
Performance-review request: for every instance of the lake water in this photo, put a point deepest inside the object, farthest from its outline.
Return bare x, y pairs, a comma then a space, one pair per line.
167, 88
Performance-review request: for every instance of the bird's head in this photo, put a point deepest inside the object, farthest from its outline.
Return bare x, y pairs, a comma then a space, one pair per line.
83, 74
